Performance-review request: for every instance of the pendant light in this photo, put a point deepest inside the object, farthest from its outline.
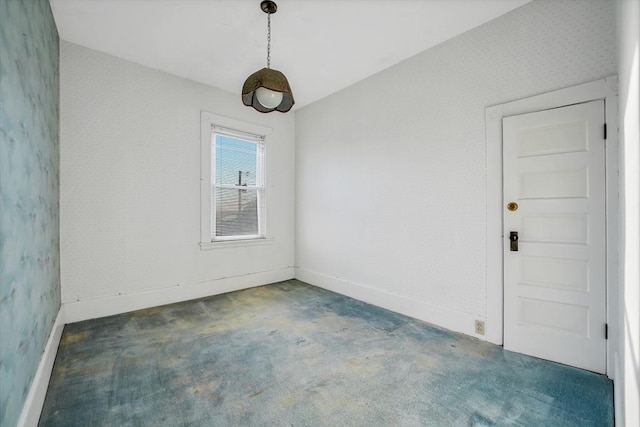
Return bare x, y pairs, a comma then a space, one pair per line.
268, 90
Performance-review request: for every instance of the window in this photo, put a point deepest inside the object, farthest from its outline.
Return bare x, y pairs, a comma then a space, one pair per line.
233, 180
237, 185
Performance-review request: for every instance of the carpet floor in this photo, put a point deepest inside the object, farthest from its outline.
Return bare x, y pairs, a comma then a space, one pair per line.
290, 354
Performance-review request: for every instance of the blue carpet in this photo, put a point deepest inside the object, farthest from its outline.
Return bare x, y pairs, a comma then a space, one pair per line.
290, 354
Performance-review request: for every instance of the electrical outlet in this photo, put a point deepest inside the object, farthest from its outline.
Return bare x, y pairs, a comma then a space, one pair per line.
480, 327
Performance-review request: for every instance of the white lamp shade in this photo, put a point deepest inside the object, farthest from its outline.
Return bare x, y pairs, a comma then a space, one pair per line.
268, 98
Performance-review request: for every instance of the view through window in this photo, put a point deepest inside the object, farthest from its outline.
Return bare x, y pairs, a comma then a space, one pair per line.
237, 185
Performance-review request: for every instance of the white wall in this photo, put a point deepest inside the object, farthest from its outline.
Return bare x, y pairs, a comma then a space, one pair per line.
390, 172
627, 385
130, 187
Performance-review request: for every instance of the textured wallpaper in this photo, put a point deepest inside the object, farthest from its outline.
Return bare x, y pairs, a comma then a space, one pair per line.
391, 172
29, 195
130, 180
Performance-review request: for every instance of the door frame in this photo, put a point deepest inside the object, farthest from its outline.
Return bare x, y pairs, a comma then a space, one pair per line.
604, 89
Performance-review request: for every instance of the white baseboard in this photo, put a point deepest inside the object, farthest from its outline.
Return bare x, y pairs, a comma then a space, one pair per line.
77, 311
35, 399
446, 318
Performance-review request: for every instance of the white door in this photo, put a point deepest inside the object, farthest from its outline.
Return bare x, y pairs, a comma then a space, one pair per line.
554, 284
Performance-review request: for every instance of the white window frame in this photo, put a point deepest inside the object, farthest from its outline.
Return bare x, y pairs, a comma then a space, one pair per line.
208, 124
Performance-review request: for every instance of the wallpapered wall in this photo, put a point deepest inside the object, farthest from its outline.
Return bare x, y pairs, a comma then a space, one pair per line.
29, 195
391, 172
130, 181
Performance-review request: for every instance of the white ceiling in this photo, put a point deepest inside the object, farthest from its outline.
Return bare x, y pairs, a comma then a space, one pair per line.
322, 46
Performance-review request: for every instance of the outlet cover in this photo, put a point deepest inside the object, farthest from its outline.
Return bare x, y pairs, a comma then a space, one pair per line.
480, 327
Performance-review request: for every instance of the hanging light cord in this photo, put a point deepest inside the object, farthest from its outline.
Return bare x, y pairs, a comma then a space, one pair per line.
268, 40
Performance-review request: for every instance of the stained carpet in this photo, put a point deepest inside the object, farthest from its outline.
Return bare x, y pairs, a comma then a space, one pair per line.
290, 354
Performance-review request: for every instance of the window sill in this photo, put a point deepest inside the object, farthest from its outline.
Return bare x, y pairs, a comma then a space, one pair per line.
227, 244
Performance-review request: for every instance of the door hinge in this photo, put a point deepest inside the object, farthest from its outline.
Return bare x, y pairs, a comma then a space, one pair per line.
605, 131
606, 331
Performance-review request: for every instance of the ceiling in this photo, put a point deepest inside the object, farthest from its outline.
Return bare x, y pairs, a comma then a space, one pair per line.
322, 46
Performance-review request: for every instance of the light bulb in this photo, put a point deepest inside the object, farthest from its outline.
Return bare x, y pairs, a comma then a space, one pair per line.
268, 98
